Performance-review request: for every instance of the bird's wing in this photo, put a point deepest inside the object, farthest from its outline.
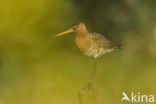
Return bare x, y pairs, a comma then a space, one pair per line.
101, 41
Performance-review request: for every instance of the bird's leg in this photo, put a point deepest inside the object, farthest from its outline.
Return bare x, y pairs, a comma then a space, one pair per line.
93, 74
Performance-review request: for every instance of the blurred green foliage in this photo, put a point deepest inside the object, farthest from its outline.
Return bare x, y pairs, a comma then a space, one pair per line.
38, 68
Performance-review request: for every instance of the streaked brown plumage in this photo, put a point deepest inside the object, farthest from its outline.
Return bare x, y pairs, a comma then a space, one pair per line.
92, 44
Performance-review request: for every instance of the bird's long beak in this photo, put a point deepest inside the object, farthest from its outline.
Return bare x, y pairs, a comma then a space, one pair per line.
63, 33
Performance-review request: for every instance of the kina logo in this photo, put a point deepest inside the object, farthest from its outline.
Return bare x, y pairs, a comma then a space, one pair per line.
137, 98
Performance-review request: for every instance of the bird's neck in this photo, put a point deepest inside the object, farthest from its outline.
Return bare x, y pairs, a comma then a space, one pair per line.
82, 33
82, 40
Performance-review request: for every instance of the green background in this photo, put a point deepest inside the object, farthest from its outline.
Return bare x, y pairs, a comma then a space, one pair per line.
38, 68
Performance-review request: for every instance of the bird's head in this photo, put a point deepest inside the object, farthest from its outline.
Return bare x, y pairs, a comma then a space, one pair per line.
79, 27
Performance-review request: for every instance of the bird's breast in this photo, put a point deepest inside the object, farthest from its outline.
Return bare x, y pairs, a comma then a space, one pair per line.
83, 42
87, 45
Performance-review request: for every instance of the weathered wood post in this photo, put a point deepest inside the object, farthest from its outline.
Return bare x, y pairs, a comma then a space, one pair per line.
90, 95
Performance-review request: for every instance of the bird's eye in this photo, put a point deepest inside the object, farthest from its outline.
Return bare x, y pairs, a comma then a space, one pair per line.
76, 24
75, 27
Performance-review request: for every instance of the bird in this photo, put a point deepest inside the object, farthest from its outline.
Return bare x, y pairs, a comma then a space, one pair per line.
92, 44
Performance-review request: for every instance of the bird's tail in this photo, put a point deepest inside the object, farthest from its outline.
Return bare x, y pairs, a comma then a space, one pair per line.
117, 46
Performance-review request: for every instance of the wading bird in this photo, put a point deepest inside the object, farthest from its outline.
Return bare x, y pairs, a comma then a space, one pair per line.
92, 44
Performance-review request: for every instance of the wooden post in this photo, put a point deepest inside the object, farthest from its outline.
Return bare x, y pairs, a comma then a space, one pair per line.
90, 95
